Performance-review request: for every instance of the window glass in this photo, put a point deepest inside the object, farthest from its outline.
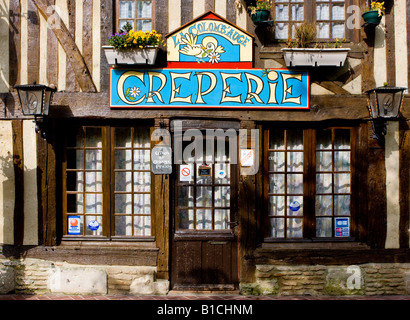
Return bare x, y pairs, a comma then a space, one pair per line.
137, 13
204, 193
333, 182
86, 174
322, 174
285, 190
132, 182
329, 16
84, 179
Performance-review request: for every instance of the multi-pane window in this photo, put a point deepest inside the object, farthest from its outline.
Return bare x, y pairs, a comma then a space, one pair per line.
328, 15
285, 192
107, 182
308, 183
204, 190
84, 181
288, 14
137, 13
132, 182
333, 183
330, 19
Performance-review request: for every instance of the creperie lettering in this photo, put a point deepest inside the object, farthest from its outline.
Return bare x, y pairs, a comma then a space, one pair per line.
171, 87
220, 28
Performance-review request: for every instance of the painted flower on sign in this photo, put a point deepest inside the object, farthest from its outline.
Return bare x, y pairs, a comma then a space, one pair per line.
214, 57
135, 92
132, 93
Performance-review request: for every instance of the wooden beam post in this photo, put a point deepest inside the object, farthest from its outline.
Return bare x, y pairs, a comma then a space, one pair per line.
82, 74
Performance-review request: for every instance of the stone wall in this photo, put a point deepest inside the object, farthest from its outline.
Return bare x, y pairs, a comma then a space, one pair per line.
41, 276
366, 279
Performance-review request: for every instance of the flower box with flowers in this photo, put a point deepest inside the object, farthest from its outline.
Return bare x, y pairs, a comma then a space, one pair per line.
304, 52
133, 47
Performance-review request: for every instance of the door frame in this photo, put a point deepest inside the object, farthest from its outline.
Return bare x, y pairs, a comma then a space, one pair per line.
210, 236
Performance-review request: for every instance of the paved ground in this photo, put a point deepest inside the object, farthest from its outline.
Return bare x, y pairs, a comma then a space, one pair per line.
197, 296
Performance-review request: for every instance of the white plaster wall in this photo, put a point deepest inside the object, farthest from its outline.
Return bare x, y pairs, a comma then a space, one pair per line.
392, 184
401, 46
174, 15
30, 184
380, 65
7, 193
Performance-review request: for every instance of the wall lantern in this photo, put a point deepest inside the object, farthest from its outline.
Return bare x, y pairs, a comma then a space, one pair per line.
35, 101
384, 104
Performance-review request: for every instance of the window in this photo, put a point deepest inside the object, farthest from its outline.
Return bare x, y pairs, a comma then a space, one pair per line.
329, 16
107, 182
308, 183
136, 12
333, 183
204, 195
285, 158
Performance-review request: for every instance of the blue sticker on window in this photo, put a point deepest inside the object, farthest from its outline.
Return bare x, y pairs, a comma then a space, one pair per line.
294, 206
93, 225
342, 227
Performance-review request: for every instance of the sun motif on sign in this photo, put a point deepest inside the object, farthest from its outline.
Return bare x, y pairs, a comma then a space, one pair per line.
208, 49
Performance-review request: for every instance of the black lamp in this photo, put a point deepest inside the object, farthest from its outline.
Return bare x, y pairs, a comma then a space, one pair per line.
384, 103
35, 101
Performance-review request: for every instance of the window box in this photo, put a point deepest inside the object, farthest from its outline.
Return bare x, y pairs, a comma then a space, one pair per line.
145, 56
315, 57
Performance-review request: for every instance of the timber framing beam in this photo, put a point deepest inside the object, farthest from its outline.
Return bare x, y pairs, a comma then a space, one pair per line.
82, 74
95, 105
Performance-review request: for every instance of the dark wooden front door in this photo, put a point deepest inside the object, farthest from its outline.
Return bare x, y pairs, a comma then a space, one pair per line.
204, 245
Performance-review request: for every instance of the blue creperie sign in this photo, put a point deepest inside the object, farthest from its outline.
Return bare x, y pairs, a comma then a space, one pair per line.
229, 88
209, 65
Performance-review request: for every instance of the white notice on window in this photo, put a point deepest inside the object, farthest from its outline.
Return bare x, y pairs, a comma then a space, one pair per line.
247, 156
185, 173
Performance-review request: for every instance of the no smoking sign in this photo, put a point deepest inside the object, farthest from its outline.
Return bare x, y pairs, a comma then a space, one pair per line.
185, 173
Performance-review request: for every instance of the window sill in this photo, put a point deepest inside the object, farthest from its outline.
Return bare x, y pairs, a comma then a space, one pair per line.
105, 241
315, 244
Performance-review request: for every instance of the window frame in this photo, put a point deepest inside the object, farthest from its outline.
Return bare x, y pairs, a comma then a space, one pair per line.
108, 181
309, 185
309, 15
117, 15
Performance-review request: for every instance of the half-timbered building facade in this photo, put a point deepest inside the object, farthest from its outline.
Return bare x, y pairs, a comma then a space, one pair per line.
220, 166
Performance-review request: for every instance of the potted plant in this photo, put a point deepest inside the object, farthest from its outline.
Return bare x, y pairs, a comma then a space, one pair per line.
302, 51
132, 47
261, 11
375, 13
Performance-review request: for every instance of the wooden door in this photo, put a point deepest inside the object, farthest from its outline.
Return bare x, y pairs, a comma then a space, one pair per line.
204, 245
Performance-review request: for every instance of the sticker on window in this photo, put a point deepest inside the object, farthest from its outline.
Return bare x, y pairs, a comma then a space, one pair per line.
74, 223
294, 206
93, 225
342, 227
